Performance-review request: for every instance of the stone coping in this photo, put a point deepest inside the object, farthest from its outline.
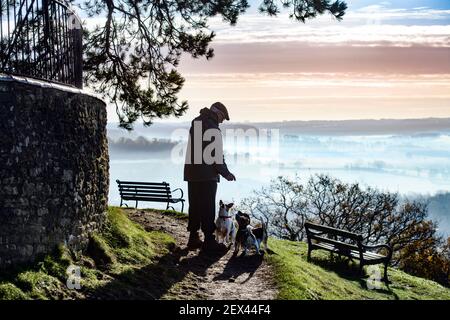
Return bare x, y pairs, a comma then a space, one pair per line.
46, 84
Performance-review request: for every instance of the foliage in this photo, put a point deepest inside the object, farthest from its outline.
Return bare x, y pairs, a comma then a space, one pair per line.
429, 258
282, 206
9, 291
106, 269
132, 57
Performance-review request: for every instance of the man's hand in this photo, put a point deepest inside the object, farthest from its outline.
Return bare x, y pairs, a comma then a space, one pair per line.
230, 177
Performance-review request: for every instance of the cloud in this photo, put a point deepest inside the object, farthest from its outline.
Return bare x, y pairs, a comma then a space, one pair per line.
374, 25
382, 13
304, 57
326, 95
366, 35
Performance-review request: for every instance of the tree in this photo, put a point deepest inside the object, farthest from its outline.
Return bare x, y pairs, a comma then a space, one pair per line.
378, 216
427, 256
144, 39
281, 206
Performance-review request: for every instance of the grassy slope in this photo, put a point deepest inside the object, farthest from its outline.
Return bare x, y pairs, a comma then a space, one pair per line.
112, 268
127, 262
326, 278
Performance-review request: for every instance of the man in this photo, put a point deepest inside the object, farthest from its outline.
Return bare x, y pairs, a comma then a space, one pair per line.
204, 164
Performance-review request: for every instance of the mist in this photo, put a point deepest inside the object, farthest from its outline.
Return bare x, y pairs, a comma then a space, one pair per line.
408, 157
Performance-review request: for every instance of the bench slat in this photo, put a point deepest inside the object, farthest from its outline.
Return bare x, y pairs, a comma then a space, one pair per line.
146, 195
146, 199
143, 187
144, 191
354, 253
366, 253
153, 199
335, 242
339, 232
133, 183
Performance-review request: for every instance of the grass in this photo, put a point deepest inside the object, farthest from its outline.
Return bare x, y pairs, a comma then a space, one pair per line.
335, 279
173, 213
127, 262
110, 268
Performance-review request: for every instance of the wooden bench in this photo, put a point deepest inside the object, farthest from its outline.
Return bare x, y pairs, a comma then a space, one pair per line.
148, 191
326, 238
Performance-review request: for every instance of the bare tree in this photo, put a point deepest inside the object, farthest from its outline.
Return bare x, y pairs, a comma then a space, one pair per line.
282, 206
377, 215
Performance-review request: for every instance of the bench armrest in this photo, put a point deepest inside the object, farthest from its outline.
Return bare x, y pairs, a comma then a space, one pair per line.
377, 246
178, 189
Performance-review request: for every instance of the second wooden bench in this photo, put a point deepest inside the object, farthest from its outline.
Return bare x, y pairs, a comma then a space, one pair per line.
325, 238
149, 191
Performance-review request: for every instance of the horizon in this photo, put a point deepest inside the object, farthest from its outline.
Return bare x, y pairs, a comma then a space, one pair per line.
180, 121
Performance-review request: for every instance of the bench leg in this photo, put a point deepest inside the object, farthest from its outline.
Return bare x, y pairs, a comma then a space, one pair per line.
182, 206
309, 254
361, 268
121, 202
136, 204
385, 278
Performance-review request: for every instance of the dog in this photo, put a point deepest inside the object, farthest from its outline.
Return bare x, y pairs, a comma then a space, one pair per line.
225, 224
248, 236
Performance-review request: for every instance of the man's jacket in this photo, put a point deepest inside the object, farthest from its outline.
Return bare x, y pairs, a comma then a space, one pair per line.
203, 171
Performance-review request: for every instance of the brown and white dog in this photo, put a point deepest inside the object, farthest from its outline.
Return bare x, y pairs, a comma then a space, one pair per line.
248, 236
225, 224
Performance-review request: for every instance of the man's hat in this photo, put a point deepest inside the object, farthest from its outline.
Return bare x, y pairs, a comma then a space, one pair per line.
219, 107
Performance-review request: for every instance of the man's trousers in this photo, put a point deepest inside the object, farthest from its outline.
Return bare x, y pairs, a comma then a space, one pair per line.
202, 206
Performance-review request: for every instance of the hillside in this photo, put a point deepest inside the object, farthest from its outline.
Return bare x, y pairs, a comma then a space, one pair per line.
327, 279
145, 259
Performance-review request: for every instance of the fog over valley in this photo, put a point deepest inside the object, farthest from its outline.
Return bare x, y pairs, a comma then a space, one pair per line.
411, 157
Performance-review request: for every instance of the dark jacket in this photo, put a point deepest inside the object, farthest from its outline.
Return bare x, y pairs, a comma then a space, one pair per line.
203, 171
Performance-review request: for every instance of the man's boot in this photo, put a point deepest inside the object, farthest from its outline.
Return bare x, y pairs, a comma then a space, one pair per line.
194, 241
211, 246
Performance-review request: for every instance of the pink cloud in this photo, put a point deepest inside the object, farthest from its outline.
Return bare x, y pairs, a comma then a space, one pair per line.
302, 57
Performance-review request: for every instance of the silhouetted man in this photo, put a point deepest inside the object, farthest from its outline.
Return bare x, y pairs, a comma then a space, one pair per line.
204, 163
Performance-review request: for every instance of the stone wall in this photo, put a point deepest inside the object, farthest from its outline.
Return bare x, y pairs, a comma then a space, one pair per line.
53, 168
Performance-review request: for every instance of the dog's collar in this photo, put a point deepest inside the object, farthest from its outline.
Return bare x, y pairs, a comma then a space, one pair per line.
225, 217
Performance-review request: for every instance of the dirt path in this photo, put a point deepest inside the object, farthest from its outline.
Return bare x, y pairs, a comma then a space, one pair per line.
204, 277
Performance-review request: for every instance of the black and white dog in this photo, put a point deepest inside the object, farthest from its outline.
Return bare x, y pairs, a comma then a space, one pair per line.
248, 236
225, 224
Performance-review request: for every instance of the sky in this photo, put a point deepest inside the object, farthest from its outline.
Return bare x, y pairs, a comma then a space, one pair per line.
386, 59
